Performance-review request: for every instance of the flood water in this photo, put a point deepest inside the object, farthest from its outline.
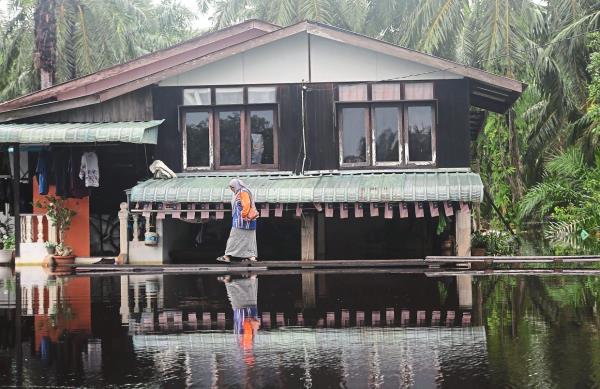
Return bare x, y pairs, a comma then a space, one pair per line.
302, 330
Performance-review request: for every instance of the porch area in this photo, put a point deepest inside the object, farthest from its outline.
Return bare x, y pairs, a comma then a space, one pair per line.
325, 216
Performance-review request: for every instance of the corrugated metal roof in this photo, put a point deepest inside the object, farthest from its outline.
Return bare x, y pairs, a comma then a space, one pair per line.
43, 133
366, 188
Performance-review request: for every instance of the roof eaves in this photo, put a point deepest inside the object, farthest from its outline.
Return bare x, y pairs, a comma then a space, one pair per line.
155, 56
452, 66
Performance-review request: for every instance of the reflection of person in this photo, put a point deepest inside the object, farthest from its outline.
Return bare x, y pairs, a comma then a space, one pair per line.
243, 294
242, 239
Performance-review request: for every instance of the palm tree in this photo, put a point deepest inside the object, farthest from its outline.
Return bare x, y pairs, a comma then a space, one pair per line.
44, 41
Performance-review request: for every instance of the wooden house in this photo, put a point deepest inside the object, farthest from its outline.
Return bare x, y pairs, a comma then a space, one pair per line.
354, 147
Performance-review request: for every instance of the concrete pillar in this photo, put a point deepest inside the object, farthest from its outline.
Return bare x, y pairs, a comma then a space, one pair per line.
307, 237
123, 238
464, 285
463, 233
124, 311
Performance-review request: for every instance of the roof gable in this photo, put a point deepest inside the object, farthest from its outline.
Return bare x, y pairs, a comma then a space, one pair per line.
490, 91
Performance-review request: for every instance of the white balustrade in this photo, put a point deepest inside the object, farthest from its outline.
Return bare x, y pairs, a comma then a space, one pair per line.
40, 228
38, 231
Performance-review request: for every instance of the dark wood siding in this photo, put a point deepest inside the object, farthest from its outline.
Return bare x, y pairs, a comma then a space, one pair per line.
169, 148
453, 139
290, 127
323, 151
134, 106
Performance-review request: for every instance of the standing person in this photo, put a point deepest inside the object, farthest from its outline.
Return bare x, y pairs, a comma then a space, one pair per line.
242, 238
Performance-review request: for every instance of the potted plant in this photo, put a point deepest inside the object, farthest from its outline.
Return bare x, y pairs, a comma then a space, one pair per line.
50, 247
61, 216
478, 244
7, 242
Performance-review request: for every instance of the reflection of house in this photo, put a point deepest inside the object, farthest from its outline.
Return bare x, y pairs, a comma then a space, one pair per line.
337, 134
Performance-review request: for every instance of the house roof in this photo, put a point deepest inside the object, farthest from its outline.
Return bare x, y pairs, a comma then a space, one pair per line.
44, 133
425, 185
488, 91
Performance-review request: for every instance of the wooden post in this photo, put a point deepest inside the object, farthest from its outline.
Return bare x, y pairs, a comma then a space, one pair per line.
308, 290
464, 285
123, 238
16, 179
307, 237
463, 233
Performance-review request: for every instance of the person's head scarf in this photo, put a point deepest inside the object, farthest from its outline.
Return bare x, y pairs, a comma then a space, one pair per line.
238, 187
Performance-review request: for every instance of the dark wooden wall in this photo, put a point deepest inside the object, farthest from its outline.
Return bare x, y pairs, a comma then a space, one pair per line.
453, 142
134, 106
169, 148
453, 138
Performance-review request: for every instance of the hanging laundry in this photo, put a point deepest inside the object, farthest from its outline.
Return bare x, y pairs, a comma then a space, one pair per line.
60, 167
42, 171
89, 169
77, 187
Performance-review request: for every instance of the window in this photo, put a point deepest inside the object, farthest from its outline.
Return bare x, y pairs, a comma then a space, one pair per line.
229, 132
387, 134
387, 124
242, 122
197, 135
196, 96
262, 130
354, 121
419, 128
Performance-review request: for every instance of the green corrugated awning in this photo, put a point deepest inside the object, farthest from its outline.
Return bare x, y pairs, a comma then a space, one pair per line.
44, 133
344, 188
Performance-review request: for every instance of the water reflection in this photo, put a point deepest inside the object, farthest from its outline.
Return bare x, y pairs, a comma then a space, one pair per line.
299, 330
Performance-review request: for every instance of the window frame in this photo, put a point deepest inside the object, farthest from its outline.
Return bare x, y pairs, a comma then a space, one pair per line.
399, 132
433, 134
213, 111
402, 104
340, 116
262, 107
183, 110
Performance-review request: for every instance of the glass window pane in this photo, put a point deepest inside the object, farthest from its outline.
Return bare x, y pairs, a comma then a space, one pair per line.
385, 92
229, 95
356, 92
261, 127
418, 91
197, 139
262, 94
420, 124
354, 134
387, 120
230, 136
196, 96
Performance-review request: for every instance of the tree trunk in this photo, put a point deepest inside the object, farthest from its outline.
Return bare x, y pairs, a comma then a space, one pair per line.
45, 41
516, 180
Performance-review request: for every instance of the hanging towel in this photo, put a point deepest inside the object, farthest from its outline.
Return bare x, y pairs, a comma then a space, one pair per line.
89, 169
42, 170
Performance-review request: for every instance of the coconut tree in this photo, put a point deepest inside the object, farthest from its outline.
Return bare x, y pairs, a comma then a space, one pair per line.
47, 41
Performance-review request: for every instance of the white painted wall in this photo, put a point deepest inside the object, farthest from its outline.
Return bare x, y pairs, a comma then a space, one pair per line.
287, 61
333, 61
283, 61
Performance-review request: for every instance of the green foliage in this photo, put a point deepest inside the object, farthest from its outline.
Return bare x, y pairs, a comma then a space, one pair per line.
57, 212
90, 35
494, 242
7, 237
